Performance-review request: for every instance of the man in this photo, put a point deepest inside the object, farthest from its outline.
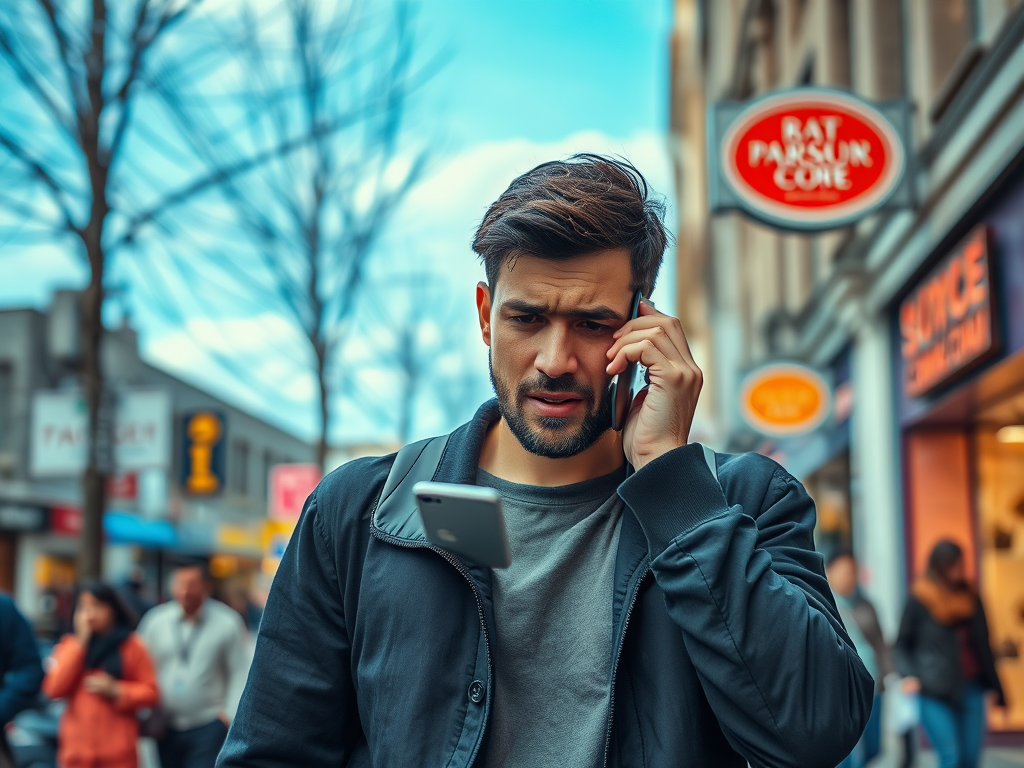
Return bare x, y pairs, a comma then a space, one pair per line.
21, 672
861, 622
198, 649
648, 617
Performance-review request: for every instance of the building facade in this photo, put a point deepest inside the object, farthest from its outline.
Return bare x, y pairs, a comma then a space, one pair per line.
923, 441
190, 471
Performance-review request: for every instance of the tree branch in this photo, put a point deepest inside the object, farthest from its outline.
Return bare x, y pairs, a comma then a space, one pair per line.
64, 49
35, 88
40, 173
222, 175
140, 45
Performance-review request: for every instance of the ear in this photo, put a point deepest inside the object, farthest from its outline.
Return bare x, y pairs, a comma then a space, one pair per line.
483, 309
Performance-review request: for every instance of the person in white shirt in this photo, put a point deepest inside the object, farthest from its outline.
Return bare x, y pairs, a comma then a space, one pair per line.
198, 648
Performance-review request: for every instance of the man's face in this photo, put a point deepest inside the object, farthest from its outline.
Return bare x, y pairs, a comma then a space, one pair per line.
188, 587
549, 325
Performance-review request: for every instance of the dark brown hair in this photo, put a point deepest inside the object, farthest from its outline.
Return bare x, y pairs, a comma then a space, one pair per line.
944, 555
572, 207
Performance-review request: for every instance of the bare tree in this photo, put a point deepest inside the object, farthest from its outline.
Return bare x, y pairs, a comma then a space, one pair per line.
311, 218
91, 91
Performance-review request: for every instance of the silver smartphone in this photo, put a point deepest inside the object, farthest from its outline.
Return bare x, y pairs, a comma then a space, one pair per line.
466, 520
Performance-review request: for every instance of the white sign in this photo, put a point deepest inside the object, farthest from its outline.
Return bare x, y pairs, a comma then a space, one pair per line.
142, 432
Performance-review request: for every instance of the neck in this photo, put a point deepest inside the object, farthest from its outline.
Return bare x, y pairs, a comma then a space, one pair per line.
503, 456
193, 614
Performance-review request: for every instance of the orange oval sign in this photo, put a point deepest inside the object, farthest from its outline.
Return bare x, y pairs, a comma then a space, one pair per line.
812, 158
785, 399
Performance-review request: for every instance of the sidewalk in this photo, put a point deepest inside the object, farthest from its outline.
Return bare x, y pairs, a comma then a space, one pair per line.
993, 758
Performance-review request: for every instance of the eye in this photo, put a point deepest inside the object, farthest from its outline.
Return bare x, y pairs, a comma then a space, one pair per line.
592, 327
525, 319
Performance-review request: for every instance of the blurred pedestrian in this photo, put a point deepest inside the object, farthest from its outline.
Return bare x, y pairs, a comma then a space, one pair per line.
106, 675
134, 592
944, 653
861, 622
198, 645
20, 669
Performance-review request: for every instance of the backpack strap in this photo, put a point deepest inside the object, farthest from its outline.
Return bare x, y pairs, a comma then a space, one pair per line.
396, 510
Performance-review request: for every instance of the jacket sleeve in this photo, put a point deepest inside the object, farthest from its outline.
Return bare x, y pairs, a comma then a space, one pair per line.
987, 658
138, 689
298, 706
906, 640
748, 591
67, 665
24, 673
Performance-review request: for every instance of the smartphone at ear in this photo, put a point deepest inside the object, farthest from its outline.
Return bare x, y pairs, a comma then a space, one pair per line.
620, 390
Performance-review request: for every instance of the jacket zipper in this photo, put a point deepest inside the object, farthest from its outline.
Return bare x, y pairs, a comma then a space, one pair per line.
472, 585
615, 664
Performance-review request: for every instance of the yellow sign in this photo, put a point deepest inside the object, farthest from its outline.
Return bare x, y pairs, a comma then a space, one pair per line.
276, 534
784, 399
244, 539
204, 455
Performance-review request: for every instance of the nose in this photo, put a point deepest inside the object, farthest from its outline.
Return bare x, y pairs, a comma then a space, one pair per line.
556, 356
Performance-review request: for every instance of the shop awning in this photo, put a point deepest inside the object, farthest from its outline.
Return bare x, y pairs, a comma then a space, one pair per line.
122, 528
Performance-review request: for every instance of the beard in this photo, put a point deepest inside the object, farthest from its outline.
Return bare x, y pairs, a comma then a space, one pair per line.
552, 437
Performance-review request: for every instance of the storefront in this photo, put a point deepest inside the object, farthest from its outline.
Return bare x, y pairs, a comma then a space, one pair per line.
958, 342
17, 519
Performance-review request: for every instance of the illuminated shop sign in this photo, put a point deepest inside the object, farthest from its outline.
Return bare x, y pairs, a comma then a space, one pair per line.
203, 453
808, 158
947, 323
785, 399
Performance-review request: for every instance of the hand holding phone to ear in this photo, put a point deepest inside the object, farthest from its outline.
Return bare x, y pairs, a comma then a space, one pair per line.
662, 412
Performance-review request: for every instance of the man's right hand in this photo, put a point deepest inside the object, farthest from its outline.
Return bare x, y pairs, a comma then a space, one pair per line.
910, 686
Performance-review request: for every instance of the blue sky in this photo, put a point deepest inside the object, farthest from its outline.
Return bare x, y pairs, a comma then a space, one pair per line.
524, 81
545, 69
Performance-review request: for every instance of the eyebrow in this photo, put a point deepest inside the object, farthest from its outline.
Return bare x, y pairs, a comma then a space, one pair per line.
600, 312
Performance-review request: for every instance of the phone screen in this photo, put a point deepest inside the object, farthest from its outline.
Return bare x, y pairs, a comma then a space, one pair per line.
620, 390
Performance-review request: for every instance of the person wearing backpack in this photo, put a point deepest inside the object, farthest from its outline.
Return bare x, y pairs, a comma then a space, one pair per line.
653, 614
105, 673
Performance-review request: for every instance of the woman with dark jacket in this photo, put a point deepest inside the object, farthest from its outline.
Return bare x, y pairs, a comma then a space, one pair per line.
943, 652
105, 673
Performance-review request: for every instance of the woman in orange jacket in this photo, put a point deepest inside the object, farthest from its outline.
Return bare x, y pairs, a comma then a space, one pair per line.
105, 673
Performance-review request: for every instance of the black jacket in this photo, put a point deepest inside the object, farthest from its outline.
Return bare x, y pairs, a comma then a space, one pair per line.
21, 672
374, 648
930, 651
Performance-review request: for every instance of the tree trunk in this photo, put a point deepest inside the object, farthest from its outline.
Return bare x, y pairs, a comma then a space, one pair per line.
99, 450
90, 545
321, 446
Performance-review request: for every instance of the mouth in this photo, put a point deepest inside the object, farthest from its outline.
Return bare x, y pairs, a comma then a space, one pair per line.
554, 404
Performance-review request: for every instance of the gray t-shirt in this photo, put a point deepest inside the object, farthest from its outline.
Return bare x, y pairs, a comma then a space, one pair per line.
553, 623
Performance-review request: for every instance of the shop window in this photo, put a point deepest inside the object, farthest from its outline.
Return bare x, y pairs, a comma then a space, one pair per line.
238, 473
951, 53
830, 489
268, 462
838, 49
999, 448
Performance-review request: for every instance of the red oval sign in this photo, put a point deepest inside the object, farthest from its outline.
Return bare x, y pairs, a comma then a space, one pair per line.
812, 158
